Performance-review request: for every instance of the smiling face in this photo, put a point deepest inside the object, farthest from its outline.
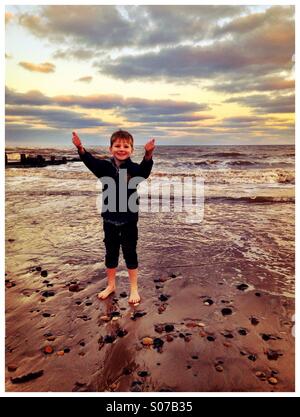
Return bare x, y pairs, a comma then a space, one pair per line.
121, 149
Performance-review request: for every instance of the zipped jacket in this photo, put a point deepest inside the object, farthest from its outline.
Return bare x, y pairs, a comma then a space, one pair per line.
107, 168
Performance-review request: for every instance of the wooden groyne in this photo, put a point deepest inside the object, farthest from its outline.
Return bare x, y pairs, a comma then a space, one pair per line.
29, 161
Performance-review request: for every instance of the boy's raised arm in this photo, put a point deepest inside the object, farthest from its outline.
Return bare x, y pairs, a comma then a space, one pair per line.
147, 162
93, 164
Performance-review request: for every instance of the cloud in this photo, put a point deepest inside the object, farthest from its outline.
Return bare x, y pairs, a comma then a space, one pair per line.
263, 103
86, 79
53, 118
85, 25
127, 26
45, 67
128, 106
77, 53
234, 47
264, 83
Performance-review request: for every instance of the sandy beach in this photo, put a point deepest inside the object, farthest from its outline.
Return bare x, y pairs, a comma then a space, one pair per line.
217, 297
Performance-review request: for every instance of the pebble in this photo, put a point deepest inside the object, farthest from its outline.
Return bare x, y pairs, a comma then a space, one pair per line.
115, 318
114, 314
105, 318
12, 368
48, 293
272, 380
228, 335
60, 353
173, 275
163, 297
109, 339
219, 368
27, 377
208, 302
161, 309
147, 341
127, 371
123, 294
74, 288
187, 338
258, 294
48, 349
254, 321
226, 344
252, 357
51, 338
202, 334
169, 338
211, 338
44, 273
158, 328
191, 324
260, 374
243, 332
67, 350
272, 355
137, 314
38, 268
201, 324
169, 328
157, 342
46, 314
122, 333
226, 311
242, 287
143, 374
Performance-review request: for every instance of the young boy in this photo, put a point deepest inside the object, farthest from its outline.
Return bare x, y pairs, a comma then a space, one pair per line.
119, 225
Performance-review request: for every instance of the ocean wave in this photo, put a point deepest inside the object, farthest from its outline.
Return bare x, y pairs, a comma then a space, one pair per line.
224, 154
239, 162
254, 199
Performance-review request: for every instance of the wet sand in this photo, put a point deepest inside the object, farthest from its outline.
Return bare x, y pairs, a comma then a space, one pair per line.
60, 337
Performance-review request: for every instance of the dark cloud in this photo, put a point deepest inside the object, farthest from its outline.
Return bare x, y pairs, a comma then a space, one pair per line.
126, 26
233, 46
45, 67
31, 98
53, 118
124, 106
273, 83
263, 103
85, 25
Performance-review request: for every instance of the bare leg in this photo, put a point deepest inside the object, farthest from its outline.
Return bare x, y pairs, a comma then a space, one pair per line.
134, 295
111, 283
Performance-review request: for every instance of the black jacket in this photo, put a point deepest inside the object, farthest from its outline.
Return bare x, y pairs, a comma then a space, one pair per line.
107, 168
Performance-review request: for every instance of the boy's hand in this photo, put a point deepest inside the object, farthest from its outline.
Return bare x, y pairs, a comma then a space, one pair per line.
76, 140
77, 143
149, 147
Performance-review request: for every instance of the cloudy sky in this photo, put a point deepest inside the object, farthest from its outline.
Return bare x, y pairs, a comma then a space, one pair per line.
182, 74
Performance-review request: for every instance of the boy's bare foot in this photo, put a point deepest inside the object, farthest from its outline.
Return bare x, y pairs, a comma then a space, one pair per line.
105, 293
134, 297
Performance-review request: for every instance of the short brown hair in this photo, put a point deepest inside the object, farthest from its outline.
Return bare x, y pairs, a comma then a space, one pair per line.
121, 134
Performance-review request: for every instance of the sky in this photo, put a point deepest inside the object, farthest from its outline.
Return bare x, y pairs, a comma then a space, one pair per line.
185, 75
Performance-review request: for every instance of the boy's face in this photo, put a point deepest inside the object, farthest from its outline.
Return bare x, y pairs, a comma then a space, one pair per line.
121, 149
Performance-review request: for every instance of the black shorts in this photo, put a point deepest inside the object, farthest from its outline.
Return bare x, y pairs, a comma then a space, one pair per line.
125, 235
